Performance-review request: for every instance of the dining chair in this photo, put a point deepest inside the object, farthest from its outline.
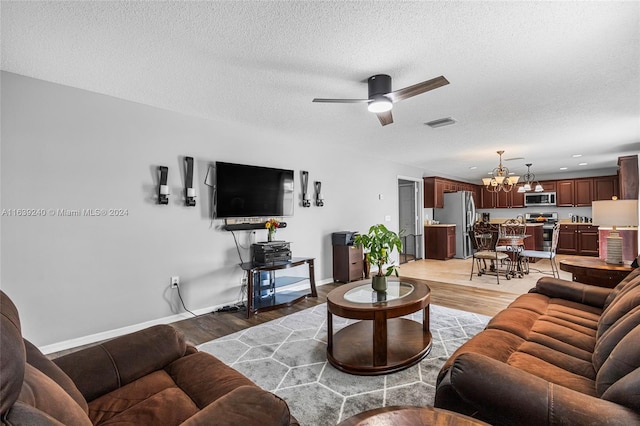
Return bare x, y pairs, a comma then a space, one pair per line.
485, 236
524, 255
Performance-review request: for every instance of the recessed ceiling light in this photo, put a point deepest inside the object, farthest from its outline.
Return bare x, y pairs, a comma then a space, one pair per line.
473, 168
563, 168
577, 155
582, 164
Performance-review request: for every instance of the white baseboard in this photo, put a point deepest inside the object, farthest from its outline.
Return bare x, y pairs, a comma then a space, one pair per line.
110, 334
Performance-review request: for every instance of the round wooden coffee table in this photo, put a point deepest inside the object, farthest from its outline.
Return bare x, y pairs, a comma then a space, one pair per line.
410, 416
381, 342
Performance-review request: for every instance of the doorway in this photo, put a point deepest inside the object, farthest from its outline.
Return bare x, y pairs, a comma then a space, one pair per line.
410, 219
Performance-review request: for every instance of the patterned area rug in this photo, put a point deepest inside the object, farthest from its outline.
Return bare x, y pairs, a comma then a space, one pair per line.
287, 356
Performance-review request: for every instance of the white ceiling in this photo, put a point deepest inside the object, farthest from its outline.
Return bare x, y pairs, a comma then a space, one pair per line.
540, 80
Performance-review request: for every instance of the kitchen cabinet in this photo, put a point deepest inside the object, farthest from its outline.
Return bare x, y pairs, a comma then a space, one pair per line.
574, 192
548, 185
348, 263
578, 239
628, 177
487, 199
511, 199
605, 187
435, 188
534, 241
440, 241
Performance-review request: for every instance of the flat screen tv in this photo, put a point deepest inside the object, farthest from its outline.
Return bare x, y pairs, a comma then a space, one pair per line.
249, 191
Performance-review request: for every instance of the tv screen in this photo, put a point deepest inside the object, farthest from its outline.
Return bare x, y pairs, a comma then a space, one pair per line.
249, 191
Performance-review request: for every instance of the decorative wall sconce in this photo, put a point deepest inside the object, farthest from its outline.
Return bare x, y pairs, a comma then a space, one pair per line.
163, 188
189, 191
319, 200
306, 202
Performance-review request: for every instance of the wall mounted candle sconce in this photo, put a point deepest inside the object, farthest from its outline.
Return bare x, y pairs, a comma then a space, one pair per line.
189, 191
306, 202
319, 200
163, 188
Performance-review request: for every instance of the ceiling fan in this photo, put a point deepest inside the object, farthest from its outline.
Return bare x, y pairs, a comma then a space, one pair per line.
381, 98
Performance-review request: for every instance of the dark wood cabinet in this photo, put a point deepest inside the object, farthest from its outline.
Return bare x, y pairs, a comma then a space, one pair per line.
568, 240
440, 242
348, 263
534, 241
548, 185
487, 199
605, 187
628, 177
588, 241
578, 239
435, 188
574, 192
508, 200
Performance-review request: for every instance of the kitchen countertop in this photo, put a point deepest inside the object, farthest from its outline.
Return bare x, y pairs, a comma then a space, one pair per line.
440, 225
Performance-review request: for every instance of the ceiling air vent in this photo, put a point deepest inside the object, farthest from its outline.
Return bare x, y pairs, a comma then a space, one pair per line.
441, 122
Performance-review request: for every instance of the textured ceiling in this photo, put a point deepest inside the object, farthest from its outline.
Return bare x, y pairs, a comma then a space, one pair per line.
540, 80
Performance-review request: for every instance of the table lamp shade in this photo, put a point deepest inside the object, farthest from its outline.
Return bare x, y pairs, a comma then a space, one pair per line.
615, 213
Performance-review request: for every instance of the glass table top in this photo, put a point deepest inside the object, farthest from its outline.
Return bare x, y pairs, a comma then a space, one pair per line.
366, 294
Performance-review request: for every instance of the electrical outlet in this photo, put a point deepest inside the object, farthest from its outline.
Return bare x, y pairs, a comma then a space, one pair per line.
175, 282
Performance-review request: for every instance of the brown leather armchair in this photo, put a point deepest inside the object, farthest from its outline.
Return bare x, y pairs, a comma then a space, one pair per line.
150, 377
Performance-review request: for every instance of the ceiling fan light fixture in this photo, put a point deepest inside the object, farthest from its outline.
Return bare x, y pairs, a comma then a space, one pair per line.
380, 103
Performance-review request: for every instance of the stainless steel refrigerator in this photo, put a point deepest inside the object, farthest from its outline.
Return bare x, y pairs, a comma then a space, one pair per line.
459, 209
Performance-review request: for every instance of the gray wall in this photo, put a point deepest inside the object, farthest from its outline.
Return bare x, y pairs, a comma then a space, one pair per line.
66, 148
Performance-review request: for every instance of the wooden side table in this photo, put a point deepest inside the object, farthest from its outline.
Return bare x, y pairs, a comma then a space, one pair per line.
594, 271
410, 416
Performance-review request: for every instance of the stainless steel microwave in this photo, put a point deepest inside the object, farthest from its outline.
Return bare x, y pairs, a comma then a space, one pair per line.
540, 199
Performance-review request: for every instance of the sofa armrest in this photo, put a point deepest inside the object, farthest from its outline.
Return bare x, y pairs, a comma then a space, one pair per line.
107, 366
577, 292
498, 393
244, 405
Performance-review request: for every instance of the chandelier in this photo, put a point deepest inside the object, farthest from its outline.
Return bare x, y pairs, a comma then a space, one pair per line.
530, 180
500, 179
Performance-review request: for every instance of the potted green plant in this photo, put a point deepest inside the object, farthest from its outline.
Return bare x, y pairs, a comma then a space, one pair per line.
379, 242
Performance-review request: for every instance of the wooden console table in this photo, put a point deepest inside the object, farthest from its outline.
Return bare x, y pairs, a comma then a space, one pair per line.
594, 271
257, 302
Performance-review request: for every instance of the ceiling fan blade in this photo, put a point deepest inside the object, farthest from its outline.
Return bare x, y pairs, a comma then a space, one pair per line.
416, 89
341, 101
385, 117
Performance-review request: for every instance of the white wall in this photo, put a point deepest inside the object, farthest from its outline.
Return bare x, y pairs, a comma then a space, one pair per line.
66, 148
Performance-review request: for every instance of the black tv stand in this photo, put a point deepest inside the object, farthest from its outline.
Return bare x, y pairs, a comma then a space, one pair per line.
257, 302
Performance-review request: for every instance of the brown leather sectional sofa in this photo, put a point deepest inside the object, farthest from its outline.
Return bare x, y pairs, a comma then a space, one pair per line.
565, 353
151, 377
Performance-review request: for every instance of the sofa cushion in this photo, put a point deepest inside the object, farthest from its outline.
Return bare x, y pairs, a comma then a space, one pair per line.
610, 338
196, 372
103, 368
621, 285
42, 393
38, 360
624, 360
152, 399
626, 300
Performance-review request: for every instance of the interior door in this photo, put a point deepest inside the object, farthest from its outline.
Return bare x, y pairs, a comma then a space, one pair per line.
410, 220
